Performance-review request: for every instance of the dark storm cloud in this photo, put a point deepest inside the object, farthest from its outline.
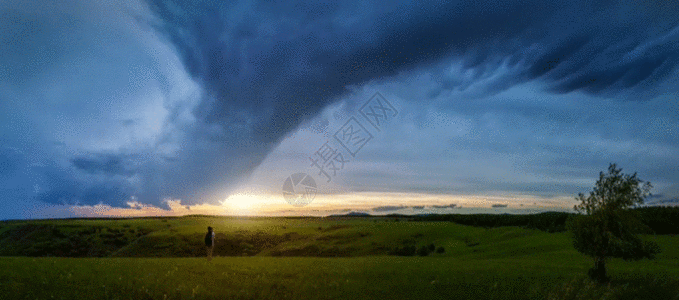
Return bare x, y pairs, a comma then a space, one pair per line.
64, 191
277, 64
108, 164
67, 69
266, 67
605, 49
652, 64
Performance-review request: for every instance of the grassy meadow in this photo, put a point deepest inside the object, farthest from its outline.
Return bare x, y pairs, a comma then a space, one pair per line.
312, 258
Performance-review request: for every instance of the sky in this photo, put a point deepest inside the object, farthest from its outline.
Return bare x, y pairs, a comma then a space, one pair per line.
135, 108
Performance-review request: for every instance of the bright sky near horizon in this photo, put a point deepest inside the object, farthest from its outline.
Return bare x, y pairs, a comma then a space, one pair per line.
171, 107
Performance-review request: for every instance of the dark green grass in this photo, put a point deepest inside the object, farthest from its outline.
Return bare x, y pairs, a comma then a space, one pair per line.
384, 277
182, 237
478, 263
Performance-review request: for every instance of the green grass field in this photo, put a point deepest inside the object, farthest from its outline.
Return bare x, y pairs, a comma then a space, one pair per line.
290, 258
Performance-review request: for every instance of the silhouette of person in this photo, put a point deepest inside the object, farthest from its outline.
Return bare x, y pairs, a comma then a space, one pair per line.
209, 242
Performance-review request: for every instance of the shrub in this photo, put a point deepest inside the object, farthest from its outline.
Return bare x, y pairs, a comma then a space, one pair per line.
403, 251
423, 251
440, 250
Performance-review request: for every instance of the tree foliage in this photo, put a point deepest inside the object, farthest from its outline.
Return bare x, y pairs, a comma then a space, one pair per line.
607, 226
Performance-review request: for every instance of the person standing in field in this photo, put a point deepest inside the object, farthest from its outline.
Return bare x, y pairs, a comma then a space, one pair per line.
209, 242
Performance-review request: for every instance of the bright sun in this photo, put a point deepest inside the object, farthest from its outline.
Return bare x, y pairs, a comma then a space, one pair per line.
240, 201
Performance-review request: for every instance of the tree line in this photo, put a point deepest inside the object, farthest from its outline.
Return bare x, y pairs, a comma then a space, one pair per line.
661, 220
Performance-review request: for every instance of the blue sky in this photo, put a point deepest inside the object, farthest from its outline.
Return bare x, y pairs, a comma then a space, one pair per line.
161, 107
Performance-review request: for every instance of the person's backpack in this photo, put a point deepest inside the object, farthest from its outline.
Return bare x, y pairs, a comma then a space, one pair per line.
208, 239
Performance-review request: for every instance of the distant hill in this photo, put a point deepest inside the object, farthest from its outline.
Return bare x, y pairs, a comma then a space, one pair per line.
351, 214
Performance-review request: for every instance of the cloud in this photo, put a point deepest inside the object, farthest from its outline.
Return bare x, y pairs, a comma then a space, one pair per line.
504, 144
388, 208
185, 99
665, 202
102, 164
266, 68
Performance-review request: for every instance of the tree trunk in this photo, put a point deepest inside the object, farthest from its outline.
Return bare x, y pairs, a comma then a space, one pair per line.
598, 273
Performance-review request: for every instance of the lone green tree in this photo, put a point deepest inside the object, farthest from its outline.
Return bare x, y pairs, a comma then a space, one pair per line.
606, 226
